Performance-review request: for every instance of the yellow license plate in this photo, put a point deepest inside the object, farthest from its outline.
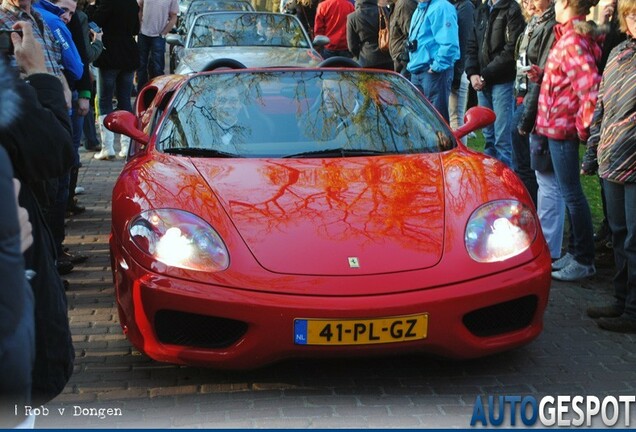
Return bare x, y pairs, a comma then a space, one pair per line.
360, 331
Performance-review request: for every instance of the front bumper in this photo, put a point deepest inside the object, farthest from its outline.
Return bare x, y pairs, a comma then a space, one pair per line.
260, 325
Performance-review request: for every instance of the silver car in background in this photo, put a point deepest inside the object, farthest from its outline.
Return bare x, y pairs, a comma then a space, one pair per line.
255, 39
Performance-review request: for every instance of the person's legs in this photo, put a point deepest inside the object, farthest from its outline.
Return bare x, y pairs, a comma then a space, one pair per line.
603, 235
90, 133
106, 79
437, 90
565, 160
77, 124
484, 98
503, 106
551, 211
521, 156
123, 89
157, 62
621, 214
105, 91
457, 105
145, 48
620, 315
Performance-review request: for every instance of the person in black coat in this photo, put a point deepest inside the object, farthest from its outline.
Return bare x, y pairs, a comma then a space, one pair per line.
119, 20
362, 35
305, 11
17, 340
399, 33
491, 69
39, 146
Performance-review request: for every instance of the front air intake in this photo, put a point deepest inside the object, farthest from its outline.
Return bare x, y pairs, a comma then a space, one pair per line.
501, 318
193, 330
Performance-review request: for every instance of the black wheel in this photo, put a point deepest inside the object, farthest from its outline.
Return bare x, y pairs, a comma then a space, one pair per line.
339, 61
223, 63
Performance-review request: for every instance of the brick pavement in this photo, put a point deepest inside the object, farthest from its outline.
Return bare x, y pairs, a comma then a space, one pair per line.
572, 356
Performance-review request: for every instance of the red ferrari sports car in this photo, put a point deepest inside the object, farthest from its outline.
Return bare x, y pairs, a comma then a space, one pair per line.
266, 214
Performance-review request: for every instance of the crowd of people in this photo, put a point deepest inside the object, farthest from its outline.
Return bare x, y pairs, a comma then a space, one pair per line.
540, 65
58, 57
554, 80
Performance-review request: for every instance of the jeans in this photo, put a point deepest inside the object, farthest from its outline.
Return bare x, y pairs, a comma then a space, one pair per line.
551, 211
436, 88
521, 156
457, 104
621, 215
113, 82
565, 160
500, 99
152, 51
90, 133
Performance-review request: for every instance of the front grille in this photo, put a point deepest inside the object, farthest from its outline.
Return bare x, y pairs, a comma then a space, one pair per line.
501, 318
201, 331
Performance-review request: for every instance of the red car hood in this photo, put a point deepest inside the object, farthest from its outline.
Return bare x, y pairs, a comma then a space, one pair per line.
353, 216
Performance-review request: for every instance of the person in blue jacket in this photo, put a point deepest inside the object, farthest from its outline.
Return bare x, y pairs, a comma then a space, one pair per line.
71, 60
433, 47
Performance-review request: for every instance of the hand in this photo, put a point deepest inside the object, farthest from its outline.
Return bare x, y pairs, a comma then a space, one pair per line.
28, 52
535, 74
589, 165
96, 35
476, 82
608, 12
26, 230
82, 106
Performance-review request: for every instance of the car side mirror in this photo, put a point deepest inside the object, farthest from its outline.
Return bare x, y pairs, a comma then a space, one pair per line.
125, 123
174, 39
475, 118
320, 41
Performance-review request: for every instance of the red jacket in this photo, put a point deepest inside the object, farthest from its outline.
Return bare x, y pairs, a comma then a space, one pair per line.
570, 82
331, 21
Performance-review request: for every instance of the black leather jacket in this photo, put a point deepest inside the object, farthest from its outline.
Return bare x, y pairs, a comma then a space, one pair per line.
491, 48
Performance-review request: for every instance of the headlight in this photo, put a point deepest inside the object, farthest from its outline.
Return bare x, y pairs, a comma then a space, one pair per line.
180, 239
500, 230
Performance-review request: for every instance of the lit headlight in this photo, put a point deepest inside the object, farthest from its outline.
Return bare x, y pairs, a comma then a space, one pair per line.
500, 230
180, 239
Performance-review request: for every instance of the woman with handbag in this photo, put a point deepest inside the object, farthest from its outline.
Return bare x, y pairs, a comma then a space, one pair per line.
364, 27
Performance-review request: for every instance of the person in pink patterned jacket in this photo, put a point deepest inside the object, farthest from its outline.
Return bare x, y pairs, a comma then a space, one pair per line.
567, 99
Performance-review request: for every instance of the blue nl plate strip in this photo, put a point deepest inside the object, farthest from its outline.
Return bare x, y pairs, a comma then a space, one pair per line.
300, 332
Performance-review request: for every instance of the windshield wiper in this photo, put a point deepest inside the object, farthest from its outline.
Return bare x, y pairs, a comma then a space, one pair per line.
197, 151
337, 152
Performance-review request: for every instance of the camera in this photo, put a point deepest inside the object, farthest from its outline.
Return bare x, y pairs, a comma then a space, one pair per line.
6, 44
411, 45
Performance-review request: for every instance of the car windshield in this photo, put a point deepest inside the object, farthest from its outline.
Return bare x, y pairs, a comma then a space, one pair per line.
197, 7
246, 29
301, 113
